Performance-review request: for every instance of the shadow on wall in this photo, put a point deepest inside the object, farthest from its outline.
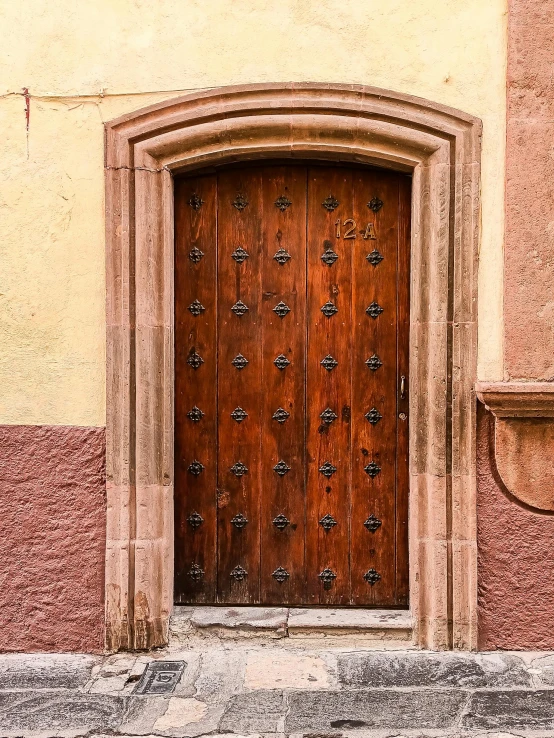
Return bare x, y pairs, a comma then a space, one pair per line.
515, 560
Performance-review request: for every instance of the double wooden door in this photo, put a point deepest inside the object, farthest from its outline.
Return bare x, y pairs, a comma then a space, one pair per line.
291, 380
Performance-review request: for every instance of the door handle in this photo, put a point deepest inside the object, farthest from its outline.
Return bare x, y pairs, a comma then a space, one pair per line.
402, 387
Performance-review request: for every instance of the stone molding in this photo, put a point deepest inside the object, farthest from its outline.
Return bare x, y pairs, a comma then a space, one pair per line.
517, 399
523, 440
355, 124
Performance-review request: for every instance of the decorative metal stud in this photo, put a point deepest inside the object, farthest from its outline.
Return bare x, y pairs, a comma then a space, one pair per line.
375, 204
240, 202
280, 415
282, 256
239, 573
329, 257
196, 573
239, 308
329, 363
196, 468
195, 255
281, 521
196, 308
240, 255
374, 257
239, 414
240, 361
238, 469
281, 309
283, 202
281, 468
239, 521
195, 520
196, 202
372, 469
280, 574
327, 522
281, 361
372, 523
372, 577
328, 416
195, 360
374, 362
195, 414
329, 309
327, 469
374, 310
330, 203
373, 416
327, 576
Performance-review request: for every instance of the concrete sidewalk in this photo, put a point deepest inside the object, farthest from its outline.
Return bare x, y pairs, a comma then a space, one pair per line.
275, 688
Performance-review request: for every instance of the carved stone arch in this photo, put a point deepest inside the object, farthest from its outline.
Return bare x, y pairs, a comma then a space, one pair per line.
441, 147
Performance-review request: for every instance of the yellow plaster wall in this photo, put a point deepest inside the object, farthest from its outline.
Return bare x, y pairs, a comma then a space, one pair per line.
87, 62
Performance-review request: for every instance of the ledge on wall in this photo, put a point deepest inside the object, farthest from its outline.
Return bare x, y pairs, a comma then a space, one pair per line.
523, 439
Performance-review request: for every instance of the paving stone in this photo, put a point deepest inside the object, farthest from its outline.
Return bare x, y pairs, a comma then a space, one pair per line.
141, 714
511, 709
544, 668
388, 669
58, 711
180, 712
245, 618
271, 669
108, 684
221, 675
346, 710
254, 712
45, 671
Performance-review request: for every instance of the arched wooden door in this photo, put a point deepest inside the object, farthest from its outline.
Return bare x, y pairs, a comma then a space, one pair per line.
291, 381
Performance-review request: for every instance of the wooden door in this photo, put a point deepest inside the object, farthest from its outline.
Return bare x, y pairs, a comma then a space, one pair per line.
291, 381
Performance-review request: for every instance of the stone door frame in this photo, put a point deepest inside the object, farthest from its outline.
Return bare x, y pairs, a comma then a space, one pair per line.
353, 124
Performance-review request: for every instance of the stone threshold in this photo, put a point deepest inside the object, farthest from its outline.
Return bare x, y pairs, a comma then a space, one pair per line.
283, 622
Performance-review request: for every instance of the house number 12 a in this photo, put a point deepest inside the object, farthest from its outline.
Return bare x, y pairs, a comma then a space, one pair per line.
350, 230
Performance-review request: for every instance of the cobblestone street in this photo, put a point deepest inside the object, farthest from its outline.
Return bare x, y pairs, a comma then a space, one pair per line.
273, 685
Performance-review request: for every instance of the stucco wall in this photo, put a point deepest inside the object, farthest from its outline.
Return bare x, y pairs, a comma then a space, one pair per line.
86, 63
52, 538
515, 560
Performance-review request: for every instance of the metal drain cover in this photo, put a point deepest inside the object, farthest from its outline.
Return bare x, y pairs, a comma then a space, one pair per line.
160, 677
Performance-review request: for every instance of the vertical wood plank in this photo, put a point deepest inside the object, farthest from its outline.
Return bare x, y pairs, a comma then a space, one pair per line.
239, 389
374, 443
284, 281
402, 434
195, 280
328, 442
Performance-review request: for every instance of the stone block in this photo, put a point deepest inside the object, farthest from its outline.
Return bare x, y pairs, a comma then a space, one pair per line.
521, 709
328, 712
245, 618
270, 669
221, 675
544, 668
254, 712
429, 669
58, 711
328, 619
188, 717
45, 671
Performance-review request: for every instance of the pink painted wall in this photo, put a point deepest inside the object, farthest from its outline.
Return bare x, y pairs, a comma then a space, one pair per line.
515, 560
52, 538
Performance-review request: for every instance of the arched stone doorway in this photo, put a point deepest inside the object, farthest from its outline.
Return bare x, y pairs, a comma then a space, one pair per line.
441, 148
